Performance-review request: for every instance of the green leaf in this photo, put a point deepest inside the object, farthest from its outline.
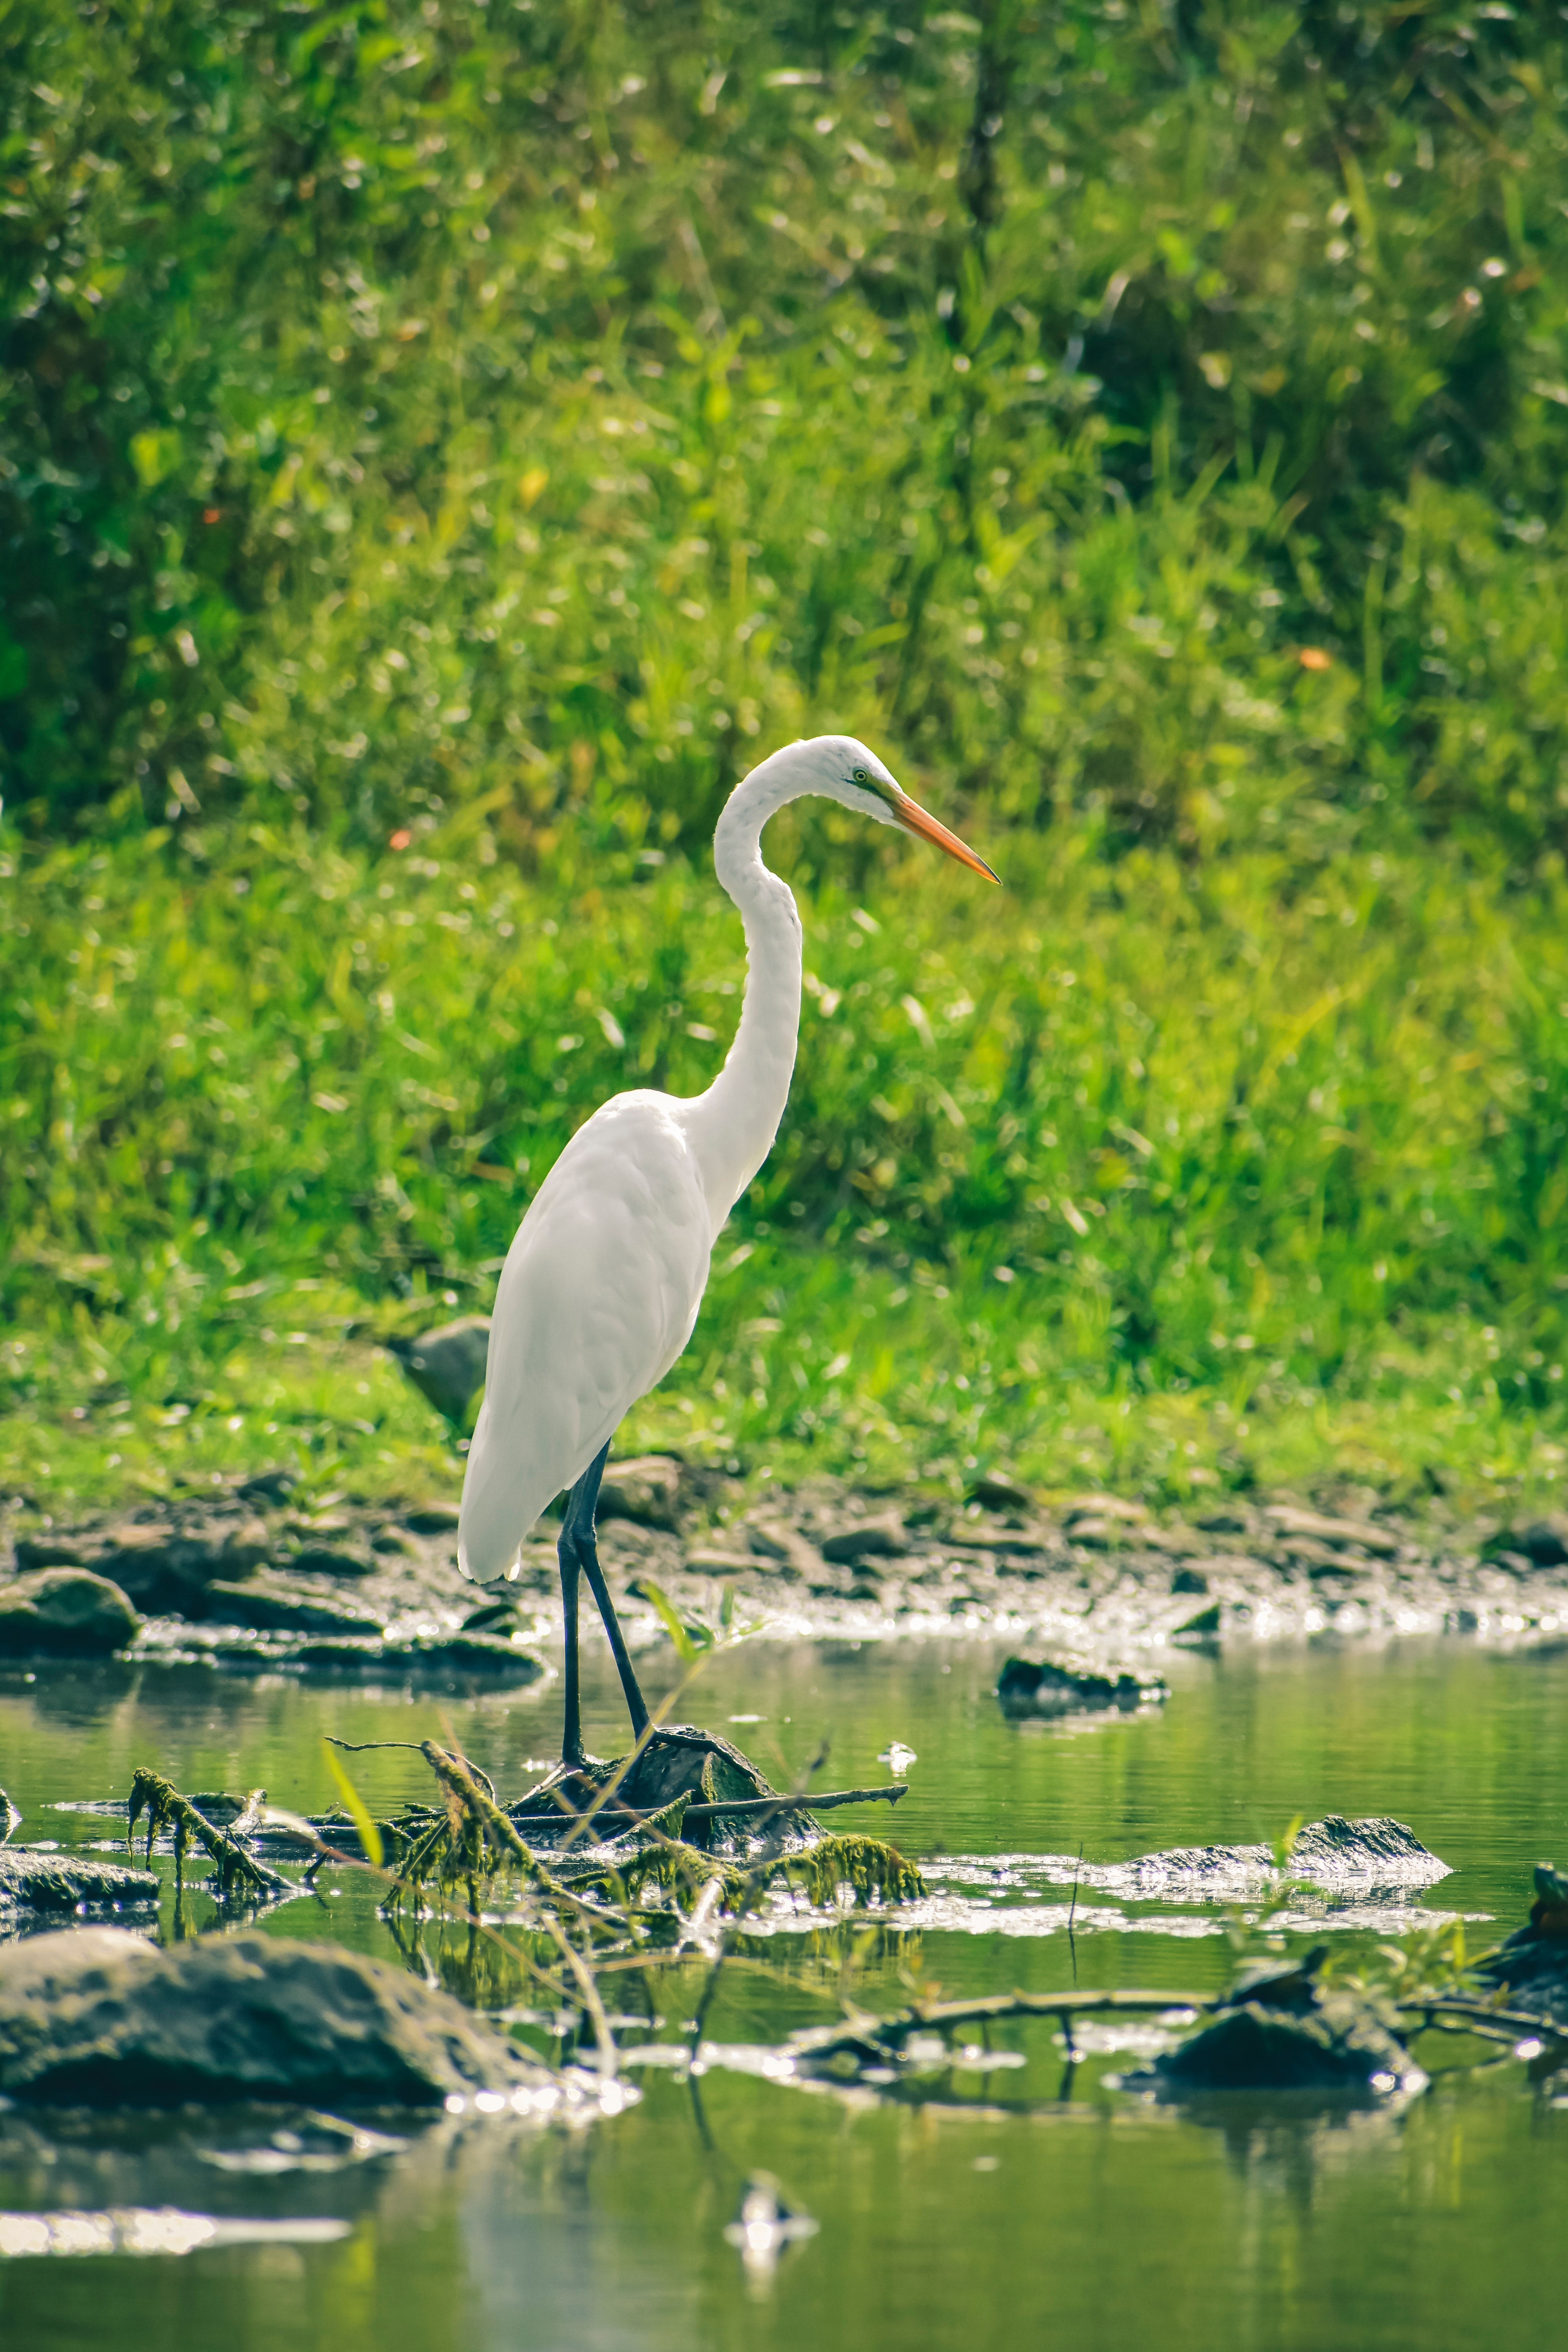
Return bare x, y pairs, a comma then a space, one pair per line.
686, 1649
369, 1835
154, 456
1285, 1845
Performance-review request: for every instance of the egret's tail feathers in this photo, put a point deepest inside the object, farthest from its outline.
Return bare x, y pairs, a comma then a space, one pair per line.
483, 1563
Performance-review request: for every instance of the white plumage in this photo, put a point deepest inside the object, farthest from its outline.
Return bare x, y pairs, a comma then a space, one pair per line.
597, 1298
603, 1280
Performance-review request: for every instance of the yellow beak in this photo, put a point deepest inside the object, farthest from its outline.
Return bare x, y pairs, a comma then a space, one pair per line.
915, 819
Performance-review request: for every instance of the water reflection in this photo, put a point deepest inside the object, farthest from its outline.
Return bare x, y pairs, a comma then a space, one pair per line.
1011, 2200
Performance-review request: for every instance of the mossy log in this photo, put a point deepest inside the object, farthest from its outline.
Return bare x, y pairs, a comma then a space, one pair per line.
473, 1837
166, 1809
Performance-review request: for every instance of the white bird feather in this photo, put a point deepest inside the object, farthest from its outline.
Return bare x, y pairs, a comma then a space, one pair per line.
601, 1285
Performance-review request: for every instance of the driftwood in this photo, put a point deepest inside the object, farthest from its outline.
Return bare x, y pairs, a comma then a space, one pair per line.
480, 1820
629, 1816
166, 1808
865, 2035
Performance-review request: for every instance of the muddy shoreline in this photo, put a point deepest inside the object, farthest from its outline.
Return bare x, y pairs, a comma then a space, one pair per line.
342, 1581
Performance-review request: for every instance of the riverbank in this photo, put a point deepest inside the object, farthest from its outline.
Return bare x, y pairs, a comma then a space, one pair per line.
255, 1574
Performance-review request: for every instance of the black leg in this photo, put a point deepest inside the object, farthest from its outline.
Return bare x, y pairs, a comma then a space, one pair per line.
572, 1735
578, 1529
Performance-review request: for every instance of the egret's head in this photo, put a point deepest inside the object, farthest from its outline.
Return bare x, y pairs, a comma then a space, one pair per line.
856, 776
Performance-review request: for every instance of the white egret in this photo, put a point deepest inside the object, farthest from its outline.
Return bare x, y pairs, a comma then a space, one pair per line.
601, 1283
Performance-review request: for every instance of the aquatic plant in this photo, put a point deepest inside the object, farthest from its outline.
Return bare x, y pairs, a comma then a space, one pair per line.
166, 1809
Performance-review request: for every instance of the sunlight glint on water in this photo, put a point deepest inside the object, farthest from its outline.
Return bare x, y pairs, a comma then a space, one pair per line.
963, 2222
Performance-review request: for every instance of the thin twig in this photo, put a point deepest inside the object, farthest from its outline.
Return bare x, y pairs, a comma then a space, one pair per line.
822, 2041
762, 1867
746, 1807
454, 1775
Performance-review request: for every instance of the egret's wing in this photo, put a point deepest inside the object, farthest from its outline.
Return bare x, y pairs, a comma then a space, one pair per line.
597, 1298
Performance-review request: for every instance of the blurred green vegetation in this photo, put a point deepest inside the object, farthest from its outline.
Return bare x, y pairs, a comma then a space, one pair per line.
1136, 1172
486, 429
546, 406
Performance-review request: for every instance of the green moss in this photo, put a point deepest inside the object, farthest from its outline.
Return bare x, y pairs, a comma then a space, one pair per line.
166, 1808
868, 1865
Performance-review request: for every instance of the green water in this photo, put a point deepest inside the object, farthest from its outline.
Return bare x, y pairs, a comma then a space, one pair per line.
991, 2209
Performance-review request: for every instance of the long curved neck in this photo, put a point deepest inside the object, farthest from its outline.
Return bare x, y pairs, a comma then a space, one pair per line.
732, 1126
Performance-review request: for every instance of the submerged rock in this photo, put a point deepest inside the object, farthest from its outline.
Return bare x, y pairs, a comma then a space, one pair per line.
98, 2016
1338, 2043
59, 1881
681, 1759
1532, 1965
64, 1612
1363, 1857
1057, 1687
1376, 1846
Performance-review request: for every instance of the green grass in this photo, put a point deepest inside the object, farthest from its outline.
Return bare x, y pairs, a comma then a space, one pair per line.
488, 429
1150, 1175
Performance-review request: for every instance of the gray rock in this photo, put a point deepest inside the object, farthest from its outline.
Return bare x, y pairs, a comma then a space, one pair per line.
59, 1881
432, 1518
1201, 1627
1373, 1847
880, 1539
679, 1759
269, 1486
1544, 1544
275, 1603
1340, 2045
1292, 1521
997, 1494
98, 2016
1355, 1858
64, 1612
646, 1491
448, 1366
332, 1559
1101, 1532
56, 1551
1531, 1966
166, 1569
1055, 1688
420, 1657
1098, 1509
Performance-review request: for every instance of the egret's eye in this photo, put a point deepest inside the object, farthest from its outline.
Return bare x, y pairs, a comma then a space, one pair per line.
858, 776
